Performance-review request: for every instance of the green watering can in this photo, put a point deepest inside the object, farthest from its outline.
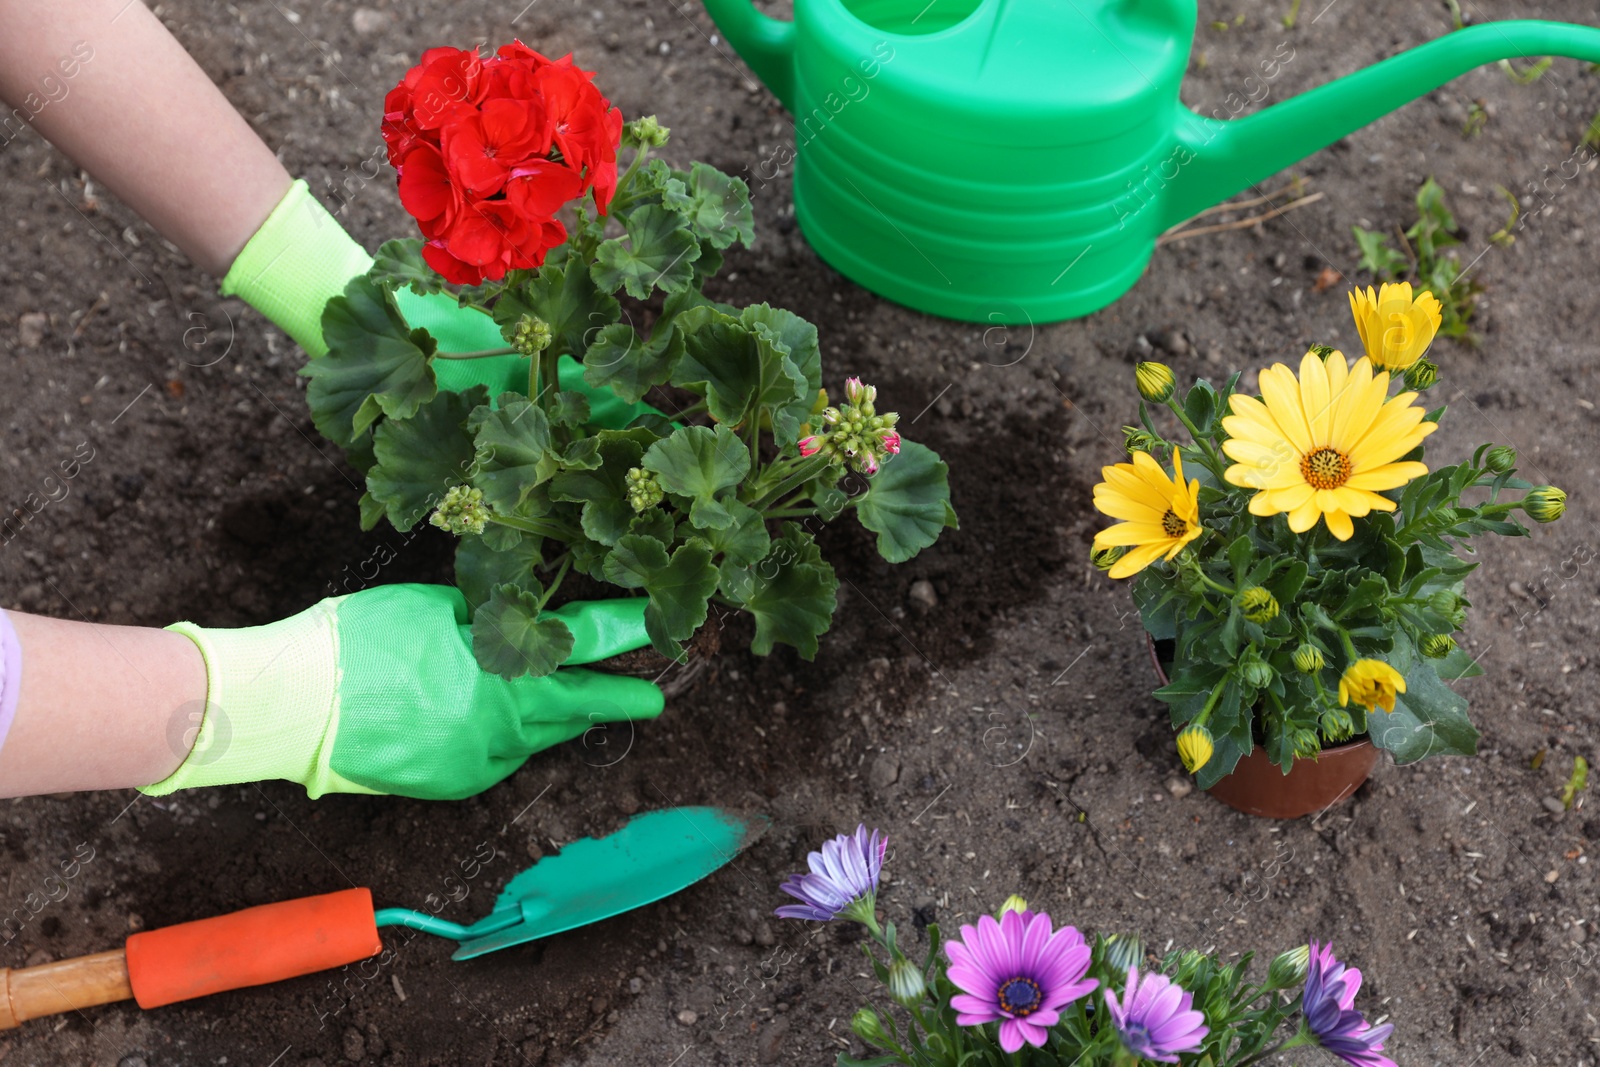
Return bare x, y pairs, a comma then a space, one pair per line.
1014, 161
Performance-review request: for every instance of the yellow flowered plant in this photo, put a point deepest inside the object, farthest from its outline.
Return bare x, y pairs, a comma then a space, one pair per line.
1300, 557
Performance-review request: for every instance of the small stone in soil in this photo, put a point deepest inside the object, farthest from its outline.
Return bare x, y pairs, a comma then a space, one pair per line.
884, 772
1553, 806
764, 936
687, 1017
636, 986
1179, 787
599, 1005
922, 594
355, 1046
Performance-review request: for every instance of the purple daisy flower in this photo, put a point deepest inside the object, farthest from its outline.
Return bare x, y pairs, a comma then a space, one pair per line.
1016, 972
1330, 1014
1156, 1020
843, 879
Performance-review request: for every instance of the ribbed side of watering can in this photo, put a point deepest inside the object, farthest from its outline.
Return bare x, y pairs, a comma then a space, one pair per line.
996, 161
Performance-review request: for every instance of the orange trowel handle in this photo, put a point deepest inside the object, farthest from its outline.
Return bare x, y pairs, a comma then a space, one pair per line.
250, 947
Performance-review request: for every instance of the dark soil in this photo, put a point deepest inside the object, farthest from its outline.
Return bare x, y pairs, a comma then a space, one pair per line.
1002, 734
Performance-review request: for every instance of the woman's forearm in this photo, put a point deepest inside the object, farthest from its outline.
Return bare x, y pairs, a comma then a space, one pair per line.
100, 707
142, 118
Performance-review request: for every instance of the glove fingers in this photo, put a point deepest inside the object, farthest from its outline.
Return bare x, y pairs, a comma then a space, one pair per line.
586, 697
602, 628
456, 329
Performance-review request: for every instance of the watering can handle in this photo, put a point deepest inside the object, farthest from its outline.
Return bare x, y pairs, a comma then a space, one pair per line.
765, 43
250, 947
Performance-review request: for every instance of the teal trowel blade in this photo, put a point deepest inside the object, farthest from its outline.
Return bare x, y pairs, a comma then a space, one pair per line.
653, 856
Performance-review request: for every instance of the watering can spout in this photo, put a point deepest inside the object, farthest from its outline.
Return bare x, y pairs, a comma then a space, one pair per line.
766, 44
1216, 158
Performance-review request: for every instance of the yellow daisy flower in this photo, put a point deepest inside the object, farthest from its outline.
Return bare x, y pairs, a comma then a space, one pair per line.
1395, 327
1160, 514
1371, 683
1195, 747
1323, 445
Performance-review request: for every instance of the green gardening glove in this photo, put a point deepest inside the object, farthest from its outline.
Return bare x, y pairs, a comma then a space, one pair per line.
301, 258
378, 692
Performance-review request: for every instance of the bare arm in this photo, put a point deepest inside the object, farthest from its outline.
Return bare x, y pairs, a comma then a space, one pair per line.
101, 707
141, 117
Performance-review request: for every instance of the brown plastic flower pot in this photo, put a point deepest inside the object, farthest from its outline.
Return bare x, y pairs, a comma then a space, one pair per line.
1258, 787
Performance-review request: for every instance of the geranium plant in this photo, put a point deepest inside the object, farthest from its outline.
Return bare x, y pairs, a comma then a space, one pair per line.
1301, 556
1015, 990
509, 164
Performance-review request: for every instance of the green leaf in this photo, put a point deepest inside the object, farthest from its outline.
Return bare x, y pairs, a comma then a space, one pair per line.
797, 338
1458, 664
1201, 404
480, 567
908, 503
1429, 719
740, 369
371, 511
791, 593
566, 299
420, 458
509, 638
702, 464
603, 489
1239, 553
512, 450
659, 252
718, 206
375, 365
628, 364
400, 263
1376, 255
569, 408
679, 586
746, 541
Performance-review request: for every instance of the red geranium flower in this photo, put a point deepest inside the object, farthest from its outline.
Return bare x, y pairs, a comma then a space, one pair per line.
489, 150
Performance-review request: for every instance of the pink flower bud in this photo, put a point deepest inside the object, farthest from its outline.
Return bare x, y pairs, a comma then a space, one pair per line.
869, 464
891, 443
809, 445
852, 390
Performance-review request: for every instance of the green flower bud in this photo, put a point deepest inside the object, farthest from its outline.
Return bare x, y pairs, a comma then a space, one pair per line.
461, 512
1500, 459
1423, 374
644, 489
1438, 646
1012, 903
906, 984
1322, 351
1256, 672
1106, 558
1154, 381
1308, 658
1257, 604
1337, 725
866, 1025
645, 131
1448, 606
1121, 952
1545, 503
530, 336
1288, 969
1304, 743
1138, 439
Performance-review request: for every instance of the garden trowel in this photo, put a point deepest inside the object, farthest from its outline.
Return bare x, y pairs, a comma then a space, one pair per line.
653, 856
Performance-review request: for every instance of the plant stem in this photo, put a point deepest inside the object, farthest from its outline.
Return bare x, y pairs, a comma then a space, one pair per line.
801, 472
790, 513
1219, 587
1202, 442
555, 583
481, 354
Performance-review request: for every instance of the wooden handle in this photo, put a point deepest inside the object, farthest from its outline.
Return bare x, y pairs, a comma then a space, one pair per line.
67, 985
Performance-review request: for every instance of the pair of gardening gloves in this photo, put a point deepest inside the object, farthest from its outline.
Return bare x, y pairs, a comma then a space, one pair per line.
378, 691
